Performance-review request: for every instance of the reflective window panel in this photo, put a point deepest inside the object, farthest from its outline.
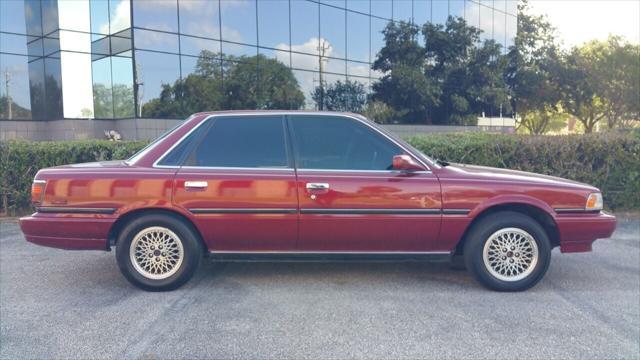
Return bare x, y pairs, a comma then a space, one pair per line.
15, 44
239, 21
156, 15
74, 15
122, 78
304, 26
178, 43
403, 10
12, 16
439, 11
53, 87
200, 18
102, 90
119, 15
15, 101
382, 8
99, 18
154, 72
273, 23
76, 85
333, 31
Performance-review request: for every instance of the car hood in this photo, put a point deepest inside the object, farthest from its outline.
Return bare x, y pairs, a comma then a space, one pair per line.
498, 174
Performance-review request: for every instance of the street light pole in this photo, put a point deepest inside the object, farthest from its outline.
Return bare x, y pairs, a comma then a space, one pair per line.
322, 50
7, 81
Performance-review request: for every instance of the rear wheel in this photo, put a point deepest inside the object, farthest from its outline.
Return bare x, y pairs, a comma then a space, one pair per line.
158, 252
507, 251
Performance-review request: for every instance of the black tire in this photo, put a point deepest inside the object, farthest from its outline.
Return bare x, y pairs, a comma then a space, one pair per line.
480, 234
191, 252
457, 263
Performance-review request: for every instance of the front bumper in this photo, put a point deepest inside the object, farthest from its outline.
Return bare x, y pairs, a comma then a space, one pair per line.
65, 231
578, 231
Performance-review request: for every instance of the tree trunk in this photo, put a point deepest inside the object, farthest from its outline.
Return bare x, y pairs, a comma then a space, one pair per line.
588, 126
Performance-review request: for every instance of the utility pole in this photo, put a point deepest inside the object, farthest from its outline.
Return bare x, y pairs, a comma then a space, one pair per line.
7, 82
138, 91
322, 50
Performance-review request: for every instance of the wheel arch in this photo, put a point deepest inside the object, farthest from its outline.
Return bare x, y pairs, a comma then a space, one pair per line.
125, 218
538, 213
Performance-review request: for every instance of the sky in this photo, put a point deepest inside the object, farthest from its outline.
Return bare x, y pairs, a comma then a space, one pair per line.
580, 21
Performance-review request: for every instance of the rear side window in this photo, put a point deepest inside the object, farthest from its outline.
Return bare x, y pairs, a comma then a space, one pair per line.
241, 141
339, 143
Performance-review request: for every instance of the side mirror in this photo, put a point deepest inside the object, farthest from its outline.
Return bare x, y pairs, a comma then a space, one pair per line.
406, 163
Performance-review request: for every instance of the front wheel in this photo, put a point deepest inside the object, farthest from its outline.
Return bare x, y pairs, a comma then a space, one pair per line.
507, 251
158, 252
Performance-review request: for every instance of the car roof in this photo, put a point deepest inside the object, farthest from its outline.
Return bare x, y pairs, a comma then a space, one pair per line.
277, 112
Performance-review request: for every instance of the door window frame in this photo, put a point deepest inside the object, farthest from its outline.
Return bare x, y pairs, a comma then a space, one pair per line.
209, 122
289, 120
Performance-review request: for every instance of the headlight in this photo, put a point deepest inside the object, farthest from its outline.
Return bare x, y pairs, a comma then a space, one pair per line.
594, 202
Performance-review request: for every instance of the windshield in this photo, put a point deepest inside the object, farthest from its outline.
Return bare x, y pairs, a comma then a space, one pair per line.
149, 146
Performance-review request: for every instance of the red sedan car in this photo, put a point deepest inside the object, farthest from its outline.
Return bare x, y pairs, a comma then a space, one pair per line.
286, 184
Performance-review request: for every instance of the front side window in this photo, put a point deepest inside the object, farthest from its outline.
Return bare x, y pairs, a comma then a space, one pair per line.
241, 141
339, 143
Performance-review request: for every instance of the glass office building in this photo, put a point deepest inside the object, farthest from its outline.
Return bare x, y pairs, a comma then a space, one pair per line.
108, 59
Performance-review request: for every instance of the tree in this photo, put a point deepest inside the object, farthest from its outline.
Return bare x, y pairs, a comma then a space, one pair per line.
614, 66
113, 102
596, 81
379, 112
404, 86
258, 82
228, 82
529, 72
541, 121
450, 80
341, 96
574, 74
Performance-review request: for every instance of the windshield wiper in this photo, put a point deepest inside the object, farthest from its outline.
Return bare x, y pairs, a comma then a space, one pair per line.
442, 162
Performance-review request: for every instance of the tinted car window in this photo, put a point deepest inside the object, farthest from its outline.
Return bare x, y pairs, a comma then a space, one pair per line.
339, 143
177, 155
242, 141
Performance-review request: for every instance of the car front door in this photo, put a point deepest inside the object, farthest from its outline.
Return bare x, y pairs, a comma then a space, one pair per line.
350, 197
237, 180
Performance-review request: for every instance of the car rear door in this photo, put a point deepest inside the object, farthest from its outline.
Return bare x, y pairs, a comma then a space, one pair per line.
351, 200
238, 182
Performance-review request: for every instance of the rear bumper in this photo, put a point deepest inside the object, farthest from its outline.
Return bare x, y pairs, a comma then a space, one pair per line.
67, 231
579, 231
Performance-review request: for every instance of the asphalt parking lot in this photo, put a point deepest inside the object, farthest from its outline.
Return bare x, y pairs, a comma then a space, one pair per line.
63, 304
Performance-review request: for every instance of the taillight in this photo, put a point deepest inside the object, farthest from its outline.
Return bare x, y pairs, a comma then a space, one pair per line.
37, 191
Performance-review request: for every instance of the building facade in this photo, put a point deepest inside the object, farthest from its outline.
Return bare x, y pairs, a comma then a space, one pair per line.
111, 59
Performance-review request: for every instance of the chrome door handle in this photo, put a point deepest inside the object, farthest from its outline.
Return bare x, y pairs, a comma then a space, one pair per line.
317, 186
195, 184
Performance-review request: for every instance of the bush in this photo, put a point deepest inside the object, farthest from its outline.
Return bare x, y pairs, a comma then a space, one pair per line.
609, 161
20, 160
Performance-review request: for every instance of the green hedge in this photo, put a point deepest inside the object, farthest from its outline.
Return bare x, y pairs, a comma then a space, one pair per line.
610, 161
20, 160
